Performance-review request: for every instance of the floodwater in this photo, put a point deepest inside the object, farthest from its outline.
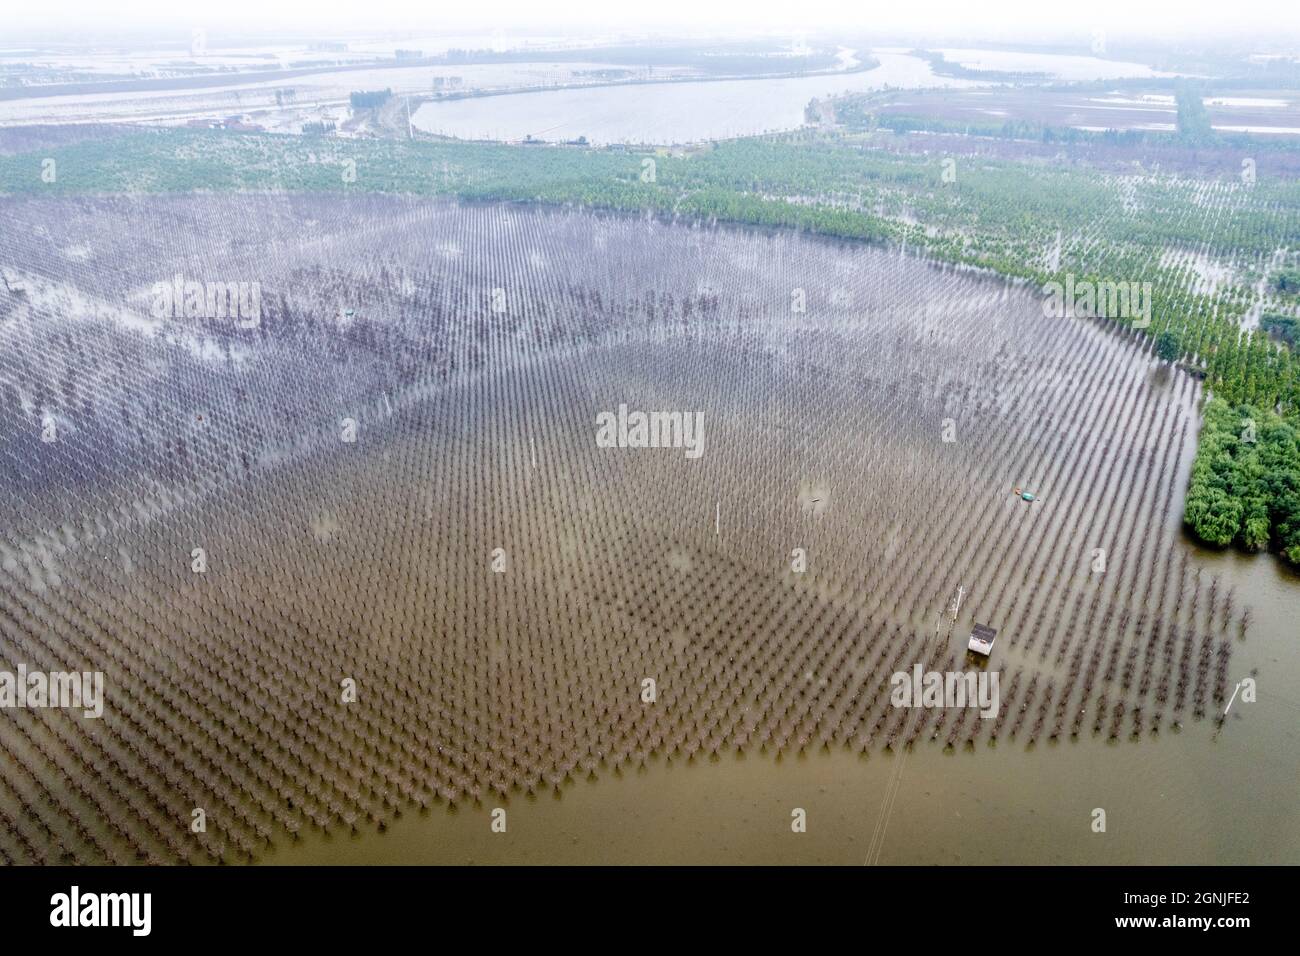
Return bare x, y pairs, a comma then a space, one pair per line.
1179, 800
1179, 797
664, 112
1183, 796
368, 559
1058, 65
258, 98
693, 112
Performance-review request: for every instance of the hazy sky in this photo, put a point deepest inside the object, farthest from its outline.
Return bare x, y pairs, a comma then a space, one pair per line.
1151, 19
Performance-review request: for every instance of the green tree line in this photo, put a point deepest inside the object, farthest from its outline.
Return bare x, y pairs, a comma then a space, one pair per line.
1245, 485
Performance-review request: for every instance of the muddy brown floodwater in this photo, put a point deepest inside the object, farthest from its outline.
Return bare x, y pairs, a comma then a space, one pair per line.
429, 590
1182, 796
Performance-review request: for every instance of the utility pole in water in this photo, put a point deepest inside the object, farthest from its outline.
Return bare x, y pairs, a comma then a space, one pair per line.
956, 606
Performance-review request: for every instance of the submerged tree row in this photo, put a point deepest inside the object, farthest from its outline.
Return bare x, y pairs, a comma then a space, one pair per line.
459, 596
1197, 242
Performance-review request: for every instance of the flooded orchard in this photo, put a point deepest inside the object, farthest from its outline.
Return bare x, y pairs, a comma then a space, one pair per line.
427, 589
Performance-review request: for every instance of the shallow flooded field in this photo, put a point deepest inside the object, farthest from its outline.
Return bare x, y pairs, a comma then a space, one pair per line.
428, 583
1172, 801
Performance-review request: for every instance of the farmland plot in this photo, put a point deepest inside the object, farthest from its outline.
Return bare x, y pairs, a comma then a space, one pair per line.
423, 580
